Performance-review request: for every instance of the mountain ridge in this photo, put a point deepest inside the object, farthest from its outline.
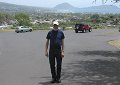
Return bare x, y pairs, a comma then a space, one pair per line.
63, 7
92, 9
7, 7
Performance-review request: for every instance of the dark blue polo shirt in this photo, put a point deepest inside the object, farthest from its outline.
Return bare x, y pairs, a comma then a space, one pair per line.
55, 39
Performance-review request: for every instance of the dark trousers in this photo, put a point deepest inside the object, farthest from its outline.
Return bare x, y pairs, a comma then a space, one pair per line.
55, 61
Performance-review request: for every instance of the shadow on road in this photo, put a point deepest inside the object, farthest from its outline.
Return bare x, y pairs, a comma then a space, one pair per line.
99, 53
44, 83
94, 72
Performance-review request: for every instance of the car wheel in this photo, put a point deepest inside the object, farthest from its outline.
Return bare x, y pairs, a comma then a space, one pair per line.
90, 30
21, 31
30, 30
84, 31
76, 31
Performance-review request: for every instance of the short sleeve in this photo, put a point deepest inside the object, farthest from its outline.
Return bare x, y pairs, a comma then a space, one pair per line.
63, 35
48, 35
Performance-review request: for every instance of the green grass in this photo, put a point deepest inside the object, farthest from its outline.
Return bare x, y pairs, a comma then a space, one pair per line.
7, 30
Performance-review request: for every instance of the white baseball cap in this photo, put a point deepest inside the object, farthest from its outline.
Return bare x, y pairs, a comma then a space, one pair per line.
55, 23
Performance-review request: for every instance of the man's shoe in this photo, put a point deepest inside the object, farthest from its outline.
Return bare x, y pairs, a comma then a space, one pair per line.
53, 81
58, 81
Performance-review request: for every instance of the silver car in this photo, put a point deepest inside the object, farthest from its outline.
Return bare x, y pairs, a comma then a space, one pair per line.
21, 29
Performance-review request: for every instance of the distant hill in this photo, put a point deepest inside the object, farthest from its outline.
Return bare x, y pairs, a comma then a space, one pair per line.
93, 9
101, 9
11, 8
104, 7
64, 7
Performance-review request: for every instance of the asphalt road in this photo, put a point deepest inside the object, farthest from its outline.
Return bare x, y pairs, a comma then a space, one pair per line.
89, 59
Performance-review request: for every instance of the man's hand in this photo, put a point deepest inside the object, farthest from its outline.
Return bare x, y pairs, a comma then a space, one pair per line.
62, 54
46, 54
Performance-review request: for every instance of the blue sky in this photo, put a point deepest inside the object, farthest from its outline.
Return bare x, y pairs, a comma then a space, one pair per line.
53, 3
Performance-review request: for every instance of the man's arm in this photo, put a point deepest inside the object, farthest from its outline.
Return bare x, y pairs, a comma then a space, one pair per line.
62, 50
46, 47
62, 45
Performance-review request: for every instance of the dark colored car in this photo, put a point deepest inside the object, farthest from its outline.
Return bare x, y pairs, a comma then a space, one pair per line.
82, 27
119, 29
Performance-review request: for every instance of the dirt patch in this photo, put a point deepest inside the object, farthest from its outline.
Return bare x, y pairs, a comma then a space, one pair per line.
115, 43
7, 30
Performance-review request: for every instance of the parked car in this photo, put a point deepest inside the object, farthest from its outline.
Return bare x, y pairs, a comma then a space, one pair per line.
119, 29
82, 27
21, 29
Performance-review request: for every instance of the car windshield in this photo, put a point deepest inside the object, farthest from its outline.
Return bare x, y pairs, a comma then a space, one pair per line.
78, 25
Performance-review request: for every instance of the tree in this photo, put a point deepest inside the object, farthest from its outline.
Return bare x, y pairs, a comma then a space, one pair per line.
116, 0
2, 18
23, 19
95, 18
104, 1
5, 18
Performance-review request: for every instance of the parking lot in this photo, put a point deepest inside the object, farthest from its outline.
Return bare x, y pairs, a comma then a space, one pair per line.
89, 59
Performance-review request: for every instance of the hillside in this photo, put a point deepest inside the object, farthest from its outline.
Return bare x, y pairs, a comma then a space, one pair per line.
11, 8
64, 7
101, 9
93, 9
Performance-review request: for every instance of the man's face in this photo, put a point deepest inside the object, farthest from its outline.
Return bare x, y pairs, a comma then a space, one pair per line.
55, 26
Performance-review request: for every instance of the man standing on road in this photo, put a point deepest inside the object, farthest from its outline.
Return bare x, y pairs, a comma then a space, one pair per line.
56, 51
